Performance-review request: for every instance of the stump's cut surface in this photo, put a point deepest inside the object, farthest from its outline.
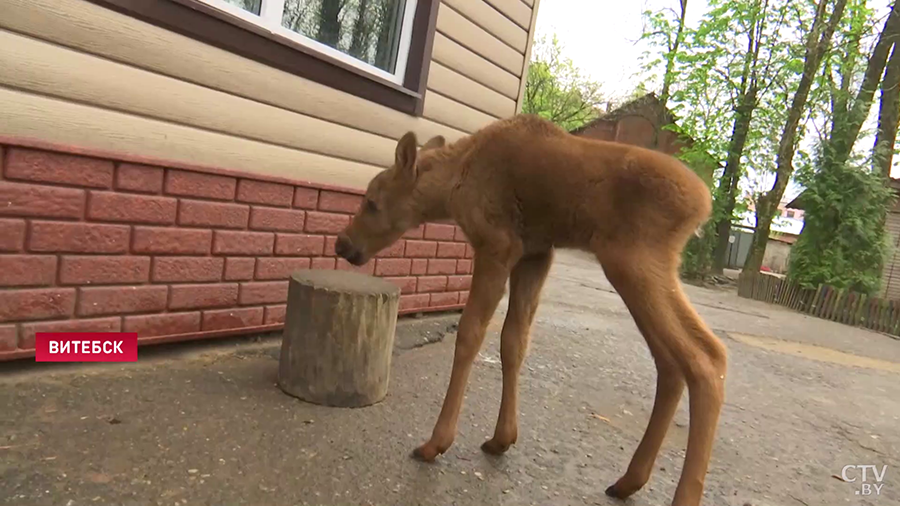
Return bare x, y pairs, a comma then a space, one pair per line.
338, 337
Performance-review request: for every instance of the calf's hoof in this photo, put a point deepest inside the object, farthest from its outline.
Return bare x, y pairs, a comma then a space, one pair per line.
427, 453
619, 492
493, 447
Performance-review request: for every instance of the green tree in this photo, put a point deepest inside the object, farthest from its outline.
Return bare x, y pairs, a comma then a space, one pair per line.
888, 117
668, 31
818, 43
732, 72
844, 241
557, 89
762, 63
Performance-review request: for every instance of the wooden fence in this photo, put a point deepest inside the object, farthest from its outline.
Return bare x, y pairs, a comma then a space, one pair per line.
826, 302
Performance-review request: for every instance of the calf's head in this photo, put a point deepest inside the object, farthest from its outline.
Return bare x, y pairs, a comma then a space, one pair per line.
391, 205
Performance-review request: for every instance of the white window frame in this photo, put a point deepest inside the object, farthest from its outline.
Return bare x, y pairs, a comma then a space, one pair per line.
270, 20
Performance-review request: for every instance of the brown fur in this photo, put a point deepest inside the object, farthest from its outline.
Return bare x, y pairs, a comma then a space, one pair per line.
521, 187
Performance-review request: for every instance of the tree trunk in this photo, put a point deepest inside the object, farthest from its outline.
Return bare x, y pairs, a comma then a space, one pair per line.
817, 44
888, 119
746, 104
338, 337
361, 31
844, 134
732, 175
385, 57
329, 23
668, 78
888, 116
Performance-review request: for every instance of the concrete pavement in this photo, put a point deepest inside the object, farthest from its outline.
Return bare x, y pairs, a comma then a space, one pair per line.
205, 424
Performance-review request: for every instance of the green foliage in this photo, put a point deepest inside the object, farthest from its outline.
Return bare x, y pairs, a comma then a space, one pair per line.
667, 31
696, 258
844, 241
557, 89
740, 62
738, 43
742, 44
842, 68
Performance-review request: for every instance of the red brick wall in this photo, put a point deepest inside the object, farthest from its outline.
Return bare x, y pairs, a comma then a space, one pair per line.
90, 243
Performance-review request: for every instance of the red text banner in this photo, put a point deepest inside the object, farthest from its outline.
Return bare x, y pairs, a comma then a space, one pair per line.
86, 347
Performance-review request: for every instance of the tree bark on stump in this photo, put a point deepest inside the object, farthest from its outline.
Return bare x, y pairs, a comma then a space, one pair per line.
338, 338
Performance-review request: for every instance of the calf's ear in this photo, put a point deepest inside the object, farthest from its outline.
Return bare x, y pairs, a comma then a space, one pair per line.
405, 156
435, 142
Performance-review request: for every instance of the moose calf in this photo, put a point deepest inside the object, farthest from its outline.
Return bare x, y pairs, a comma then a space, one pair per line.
521, 187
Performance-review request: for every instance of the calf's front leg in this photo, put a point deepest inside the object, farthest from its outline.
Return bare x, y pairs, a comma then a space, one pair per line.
488, 284
525, 285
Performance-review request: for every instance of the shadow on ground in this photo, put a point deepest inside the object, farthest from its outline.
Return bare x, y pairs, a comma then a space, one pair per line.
204, 423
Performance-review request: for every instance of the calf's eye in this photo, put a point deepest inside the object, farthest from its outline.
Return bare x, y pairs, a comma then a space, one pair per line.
371, 207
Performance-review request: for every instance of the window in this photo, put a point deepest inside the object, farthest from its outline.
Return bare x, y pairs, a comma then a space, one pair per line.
370, 34
376, 49
790, 214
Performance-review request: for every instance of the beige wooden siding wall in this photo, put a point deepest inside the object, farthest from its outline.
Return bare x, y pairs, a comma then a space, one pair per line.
75, 73
890, 277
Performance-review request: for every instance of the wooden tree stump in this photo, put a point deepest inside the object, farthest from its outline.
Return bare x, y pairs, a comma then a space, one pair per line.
338, 337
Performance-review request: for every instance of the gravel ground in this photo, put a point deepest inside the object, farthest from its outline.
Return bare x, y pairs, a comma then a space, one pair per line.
204, 423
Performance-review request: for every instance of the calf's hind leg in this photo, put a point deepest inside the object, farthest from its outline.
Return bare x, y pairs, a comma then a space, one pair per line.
525, 284
685, 350
669, 387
